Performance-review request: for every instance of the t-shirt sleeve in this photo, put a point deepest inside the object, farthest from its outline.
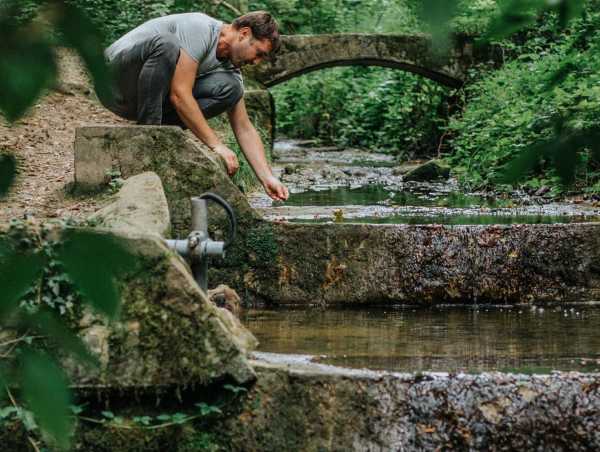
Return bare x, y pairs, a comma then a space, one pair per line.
194, 34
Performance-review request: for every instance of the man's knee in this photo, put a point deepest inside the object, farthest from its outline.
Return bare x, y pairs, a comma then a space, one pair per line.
229, 89
218, 92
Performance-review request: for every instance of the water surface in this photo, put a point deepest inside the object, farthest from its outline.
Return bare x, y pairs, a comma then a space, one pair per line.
518, 339
376, 194
482, 219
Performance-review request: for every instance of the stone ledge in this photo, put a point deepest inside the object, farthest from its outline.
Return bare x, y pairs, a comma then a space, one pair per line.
302, 406
385, 264
185, 167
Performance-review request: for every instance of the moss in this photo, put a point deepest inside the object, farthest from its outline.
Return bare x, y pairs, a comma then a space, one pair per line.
262, 245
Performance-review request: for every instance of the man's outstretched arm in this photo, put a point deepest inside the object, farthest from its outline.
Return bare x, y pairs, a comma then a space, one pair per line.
253, 149
188, 110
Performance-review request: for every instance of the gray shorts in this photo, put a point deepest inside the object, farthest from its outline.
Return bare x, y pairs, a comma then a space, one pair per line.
142, 80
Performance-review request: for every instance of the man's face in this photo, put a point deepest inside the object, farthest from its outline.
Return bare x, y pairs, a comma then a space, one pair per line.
248, 50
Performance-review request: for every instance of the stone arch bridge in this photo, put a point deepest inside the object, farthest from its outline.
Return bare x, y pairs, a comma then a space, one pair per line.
301, 54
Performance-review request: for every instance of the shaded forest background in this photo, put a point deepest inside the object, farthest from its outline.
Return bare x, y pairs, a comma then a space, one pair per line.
478, 129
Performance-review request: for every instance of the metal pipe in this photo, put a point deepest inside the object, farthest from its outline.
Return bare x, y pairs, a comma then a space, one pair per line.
198, 246
199, 215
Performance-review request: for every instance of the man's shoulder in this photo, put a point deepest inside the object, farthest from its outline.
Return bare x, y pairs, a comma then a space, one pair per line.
196, 17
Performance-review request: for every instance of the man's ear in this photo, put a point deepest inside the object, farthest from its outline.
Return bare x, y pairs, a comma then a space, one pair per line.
244, 32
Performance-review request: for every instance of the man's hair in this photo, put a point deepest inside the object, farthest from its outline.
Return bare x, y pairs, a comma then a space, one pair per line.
263, 26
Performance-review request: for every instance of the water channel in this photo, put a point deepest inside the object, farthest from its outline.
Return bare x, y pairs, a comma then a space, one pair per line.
518, 339
325, 188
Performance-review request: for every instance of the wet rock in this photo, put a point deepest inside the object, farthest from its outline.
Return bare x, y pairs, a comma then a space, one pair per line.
290, 169
139, 205
542, 191
429, 171
225, 297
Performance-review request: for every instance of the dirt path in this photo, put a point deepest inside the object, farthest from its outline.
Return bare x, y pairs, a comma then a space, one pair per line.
43, 145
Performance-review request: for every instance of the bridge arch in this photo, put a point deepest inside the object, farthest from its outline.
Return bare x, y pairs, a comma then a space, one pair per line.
301, 54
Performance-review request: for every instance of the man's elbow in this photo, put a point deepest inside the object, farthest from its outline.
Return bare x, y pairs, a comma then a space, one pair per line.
177, 98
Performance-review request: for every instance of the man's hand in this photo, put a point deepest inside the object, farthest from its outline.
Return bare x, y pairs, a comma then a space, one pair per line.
230, 158
275, 189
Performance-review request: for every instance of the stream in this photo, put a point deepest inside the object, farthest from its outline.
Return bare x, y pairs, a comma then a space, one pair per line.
328, 185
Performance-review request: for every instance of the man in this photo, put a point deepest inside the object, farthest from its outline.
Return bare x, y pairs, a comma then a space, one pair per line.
185, 68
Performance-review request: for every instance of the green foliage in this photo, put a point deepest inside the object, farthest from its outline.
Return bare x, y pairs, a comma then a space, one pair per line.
39, 270
8, 172
371, 108
47, 394
261, 245
27, 66
334, 16
115, 180
111, 259
537, 116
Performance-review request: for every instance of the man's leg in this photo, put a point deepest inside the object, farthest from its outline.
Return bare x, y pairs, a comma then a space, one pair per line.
215, 93
143, 78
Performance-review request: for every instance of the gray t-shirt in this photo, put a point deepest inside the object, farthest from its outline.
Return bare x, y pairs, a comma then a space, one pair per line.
197, 33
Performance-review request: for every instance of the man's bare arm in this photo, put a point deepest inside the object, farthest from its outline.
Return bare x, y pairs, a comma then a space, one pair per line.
188, 110
254, 150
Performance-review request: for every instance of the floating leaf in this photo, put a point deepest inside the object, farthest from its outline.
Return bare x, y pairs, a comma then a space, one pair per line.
47, 395
18, 272
27, 66
94, 260
8, 171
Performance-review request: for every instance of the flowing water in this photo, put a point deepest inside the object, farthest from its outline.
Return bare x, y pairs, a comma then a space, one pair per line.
380, 194
445, 339
352, 186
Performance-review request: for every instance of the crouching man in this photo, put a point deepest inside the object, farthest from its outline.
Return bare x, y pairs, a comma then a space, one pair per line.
185, 68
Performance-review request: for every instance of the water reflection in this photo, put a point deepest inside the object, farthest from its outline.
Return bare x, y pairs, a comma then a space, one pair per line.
454, 219
374, 194
437, 339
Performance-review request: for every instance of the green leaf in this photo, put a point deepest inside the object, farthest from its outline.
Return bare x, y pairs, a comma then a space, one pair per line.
8, 171
94, 260
76, 409
51, 326
206, 410
521, 165
108, 414
18, 272
437, 14
235, 389
47, 395
568, 10
80, 33
27, 66
7, 412
180, 418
